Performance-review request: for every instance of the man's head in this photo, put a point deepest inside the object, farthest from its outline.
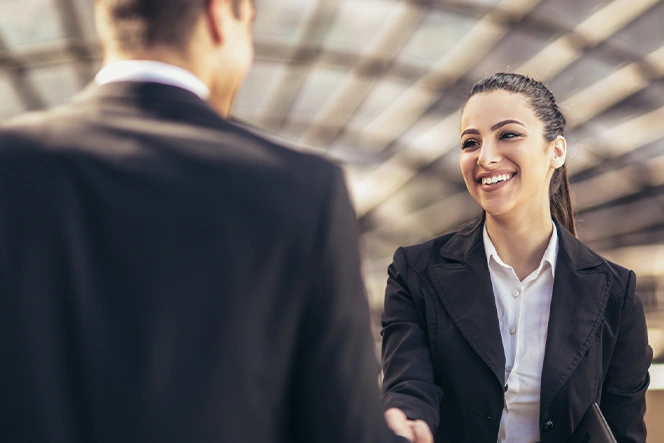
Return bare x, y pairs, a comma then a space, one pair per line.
211, 38
131, 25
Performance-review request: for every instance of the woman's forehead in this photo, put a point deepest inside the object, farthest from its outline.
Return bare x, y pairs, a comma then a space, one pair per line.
488, 108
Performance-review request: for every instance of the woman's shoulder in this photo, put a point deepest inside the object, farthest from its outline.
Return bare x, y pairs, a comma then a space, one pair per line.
426, 252
620, 275
587, 260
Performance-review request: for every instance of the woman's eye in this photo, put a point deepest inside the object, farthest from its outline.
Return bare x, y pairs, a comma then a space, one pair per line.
509, 134
470, 143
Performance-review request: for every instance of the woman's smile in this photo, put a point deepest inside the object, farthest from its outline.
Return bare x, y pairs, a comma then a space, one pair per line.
494, 181
505, 160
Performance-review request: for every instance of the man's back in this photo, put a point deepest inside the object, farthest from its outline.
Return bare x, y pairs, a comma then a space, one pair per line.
168, 276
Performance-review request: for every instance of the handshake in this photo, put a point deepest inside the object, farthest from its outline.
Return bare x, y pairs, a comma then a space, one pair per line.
416, 431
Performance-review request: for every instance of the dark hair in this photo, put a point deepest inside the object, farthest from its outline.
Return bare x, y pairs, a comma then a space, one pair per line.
544, 104
141, 24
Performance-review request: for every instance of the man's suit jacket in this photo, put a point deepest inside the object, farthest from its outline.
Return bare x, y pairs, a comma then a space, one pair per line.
167, 276
443, 355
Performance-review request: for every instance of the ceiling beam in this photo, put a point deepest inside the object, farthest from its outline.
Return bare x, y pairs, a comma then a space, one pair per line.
313, 31
70, 20
440, 138
358, 84
416, 100
17, 75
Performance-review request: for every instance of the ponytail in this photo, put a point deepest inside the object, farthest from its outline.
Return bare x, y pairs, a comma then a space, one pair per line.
561, 199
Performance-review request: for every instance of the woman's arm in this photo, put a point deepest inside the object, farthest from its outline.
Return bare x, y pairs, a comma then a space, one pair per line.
623, 400
408, 382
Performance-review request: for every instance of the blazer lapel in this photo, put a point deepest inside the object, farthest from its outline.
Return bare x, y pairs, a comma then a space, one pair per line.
580, 295
464, 285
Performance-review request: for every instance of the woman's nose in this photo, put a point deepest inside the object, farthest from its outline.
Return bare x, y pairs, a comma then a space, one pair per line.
488, 154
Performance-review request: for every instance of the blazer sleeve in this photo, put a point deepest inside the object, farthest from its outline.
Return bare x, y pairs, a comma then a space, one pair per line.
623, 401
335, 393
408, 375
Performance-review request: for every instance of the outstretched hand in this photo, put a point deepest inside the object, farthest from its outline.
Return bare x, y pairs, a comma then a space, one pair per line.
416, 431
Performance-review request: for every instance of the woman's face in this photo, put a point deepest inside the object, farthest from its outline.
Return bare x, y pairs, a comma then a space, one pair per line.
506, 162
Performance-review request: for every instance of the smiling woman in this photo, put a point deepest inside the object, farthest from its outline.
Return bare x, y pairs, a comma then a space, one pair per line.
511, 329
534, 111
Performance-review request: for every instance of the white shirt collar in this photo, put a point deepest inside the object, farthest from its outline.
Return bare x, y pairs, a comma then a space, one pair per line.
154, 72
550, 254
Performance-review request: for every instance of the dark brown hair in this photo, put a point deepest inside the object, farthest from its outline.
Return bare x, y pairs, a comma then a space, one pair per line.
142, 24
544, 104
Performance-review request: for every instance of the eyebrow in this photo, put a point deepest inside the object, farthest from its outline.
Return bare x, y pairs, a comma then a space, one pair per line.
494, 127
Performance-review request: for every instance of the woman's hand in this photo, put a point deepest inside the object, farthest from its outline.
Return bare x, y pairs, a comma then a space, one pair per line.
417, 431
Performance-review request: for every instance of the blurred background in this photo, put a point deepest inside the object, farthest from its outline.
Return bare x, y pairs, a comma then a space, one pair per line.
378, 85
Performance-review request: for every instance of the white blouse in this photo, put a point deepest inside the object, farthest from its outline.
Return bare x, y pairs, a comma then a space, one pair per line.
523, 314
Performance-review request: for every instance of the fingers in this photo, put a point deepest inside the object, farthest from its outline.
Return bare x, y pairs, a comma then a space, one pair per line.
399, 423
416, 431
421, 432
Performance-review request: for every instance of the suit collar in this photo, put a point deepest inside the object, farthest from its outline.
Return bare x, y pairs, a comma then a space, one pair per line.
141, 100
137, 90
463, 244
162, 101
152, 71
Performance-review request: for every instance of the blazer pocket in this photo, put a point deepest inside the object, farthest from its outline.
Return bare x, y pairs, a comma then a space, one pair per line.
482, 415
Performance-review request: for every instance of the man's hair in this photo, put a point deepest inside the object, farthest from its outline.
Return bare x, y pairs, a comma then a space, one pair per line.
142, 24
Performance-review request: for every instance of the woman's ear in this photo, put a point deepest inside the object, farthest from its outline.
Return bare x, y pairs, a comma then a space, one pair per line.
559, 152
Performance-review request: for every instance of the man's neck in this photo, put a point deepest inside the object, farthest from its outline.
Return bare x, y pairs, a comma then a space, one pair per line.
167, 56
220, 99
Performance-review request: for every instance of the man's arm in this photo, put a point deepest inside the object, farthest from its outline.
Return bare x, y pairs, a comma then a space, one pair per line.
335, 394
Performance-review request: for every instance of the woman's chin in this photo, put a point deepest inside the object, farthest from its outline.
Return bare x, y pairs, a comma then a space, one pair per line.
494, 210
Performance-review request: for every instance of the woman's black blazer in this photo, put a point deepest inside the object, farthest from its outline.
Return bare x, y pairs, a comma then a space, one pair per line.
443, 357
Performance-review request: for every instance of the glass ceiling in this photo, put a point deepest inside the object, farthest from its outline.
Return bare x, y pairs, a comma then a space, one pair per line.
378, 85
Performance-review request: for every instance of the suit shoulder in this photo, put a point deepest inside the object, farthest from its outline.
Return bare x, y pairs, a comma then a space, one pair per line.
23, 135
420, 255
619, 274
32, 122
303, 166
35, 132
616, 270
279, 144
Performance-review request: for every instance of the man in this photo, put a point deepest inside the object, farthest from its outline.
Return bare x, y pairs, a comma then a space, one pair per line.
166, 276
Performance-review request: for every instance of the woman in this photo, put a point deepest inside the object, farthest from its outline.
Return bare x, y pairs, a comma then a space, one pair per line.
510, 329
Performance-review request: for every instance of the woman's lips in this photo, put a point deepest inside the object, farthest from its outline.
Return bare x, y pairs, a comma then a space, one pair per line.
495, 181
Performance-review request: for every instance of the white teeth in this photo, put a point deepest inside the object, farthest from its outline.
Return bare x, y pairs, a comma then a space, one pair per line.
496, 179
